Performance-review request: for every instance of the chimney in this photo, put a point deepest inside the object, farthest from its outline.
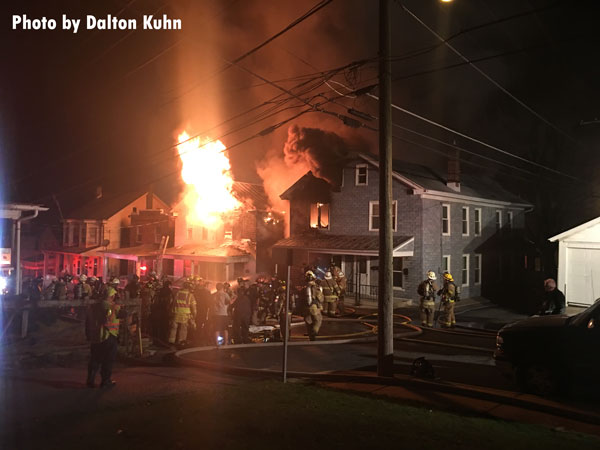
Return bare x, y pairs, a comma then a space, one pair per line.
453, 181
150, 197
98, 192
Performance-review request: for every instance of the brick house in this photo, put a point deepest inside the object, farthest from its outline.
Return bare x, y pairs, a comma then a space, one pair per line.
92, 234
469, 226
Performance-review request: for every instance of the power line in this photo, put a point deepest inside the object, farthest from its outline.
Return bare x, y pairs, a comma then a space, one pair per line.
486, 76
450, 130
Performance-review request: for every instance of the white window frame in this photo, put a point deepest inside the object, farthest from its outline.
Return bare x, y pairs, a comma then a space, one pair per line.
498, 220
462, 269
448, 266
401, 271
509, 220
477, 232
463, 221
361, 166
395, 215
446, 205
91, 239
478, 258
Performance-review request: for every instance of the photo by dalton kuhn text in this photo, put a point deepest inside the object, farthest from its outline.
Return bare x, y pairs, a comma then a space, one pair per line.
149, 22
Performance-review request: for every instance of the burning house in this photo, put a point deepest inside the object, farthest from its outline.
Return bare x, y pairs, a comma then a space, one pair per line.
224, 228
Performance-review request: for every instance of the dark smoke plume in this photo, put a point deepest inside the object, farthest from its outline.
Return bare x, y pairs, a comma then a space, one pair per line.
322, 151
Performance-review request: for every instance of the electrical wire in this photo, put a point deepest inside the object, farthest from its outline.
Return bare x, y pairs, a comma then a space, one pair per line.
486, 76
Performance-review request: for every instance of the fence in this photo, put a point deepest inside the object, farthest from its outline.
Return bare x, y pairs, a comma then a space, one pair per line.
361, 291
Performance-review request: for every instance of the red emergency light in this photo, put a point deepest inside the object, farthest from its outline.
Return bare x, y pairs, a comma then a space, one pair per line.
143, 268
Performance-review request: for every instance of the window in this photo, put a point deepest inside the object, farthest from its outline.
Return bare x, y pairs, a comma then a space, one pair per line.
509, 220
190, 233
477, 273
228, 235
138, 234
446, 264
397, 266
65, 234
319, 215
465, 220
362, 178
157, 234
374, 215
498, 220
445, 220
465, 270
92, 235
75, 234
477, 224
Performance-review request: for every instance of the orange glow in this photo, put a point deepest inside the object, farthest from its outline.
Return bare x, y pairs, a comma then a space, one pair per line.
206, 173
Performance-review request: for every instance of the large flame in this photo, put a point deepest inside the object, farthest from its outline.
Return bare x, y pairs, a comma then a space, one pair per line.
206, 173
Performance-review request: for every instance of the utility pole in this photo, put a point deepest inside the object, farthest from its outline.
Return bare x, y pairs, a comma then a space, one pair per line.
385, 330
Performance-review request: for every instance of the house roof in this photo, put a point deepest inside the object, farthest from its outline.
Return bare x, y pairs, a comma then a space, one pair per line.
228, 250
107, 206
136, 251
575, 230
345, 244
72, 250
425, 178
253, 192
309, 185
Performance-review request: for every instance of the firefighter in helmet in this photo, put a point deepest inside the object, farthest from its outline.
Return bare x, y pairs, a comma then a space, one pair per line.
331, 292
427, 290
183, 314
313, 302
449, 295
86, 289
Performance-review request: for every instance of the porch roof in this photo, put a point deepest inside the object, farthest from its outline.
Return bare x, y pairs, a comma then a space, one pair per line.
346, 244
234, 251
131, 253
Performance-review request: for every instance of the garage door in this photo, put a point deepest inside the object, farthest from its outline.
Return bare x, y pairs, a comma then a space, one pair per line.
583, 276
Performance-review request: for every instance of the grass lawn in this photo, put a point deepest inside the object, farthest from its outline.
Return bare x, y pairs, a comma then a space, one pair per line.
270, 415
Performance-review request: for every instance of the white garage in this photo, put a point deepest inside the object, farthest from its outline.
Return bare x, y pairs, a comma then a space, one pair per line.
579, 263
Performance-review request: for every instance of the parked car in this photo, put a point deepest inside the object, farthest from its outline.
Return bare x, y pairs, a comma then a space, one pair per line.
552, 354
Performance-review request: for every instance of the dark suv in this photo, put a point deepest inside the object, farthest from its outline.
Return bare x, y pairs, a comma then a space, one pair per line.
551, 354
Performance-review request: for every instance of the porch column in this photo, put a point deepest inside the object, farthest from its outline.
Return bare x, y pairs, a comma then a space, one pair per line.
104, 268
227, 272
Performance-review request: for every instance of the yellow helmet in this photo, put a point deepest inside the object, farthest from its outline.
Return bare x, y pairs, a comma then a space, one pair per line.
448, 276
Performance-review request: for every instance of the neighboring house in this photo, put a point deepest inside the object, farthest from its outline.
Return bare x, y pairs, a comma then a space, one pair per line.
579, 263
468, 226
239, 247
92, 231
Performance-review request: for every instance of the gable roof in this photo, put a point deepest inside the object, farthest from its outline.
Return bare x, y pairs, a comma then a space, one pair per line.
424, 179
575, 230
309, 186
107, 206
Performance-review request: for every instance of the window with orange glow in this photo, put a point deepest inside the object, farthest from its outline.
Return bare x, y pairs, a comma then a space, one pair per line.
319, 215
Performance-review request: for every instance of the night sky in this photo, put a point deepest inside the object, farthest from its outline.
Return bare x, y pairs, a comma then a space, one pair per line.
105, 107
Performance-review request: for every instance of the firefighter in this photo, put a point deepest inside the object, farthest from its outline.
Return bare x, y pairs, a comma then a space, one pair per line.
342, 284
60, 289
184, 314
330, 293
427, 290
448, 298
313, 304
86, 289
102, 330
